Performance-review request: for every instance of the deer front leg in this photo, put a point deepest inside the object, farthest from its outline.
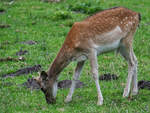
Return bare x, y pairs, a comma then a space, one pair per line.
94, 70
75, 78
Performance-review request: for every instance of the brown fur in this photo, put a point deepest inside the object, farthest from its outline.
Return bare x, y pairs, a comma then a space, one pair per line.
77, 39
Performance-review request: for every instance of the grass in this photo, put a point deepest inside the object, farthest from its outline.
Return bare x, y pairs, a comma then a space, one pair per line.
48, 24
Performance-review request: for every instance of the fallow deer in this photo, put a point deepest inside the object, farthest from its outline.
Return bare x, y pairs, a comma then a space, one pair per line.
108, 30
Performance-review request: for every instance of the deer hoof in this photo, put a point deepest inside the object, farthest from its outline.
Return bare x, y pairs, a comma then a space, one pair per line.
99, 103
67, 100
135, 92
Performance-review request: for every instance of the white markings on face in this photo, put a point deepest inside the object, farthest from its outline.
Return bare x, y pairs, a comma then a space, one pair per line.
55, 89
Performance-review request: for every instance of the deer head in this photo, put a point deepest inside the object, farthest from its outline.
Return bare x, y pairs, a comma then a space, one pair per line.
48, 87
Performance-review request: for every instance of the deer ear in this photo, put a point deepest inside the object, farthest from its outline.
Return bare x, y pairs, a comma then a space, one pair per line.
43, 75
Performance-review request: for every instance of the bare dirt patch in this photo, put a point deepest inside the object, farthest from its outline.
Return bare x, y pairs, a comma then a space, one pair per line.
67, 84
21, 52
2, 11
23, 71
108, 77
142, 84
4, 26
32, 84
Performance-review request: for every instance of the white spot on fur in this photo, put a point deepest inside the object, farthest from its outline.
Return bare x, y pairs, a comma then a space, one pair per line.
130, 23
77, 44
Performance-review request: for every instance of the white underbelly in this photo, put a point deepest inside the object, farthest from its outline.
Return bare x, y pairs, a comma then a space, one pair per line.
108, 41
100, 49
107, 47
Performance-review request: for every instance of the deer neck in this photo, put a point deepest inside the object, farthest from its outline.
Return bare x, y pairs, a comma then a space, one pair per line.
62, 59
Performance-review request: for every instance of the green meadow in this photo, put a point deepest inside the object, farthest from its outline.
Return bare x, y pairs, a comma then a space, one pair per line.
47, 24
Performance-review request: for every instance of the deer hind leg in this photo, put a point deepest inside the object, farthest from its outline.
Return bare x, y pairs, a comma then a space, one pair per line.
127, 52
134, 80
94, 70
75, 78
